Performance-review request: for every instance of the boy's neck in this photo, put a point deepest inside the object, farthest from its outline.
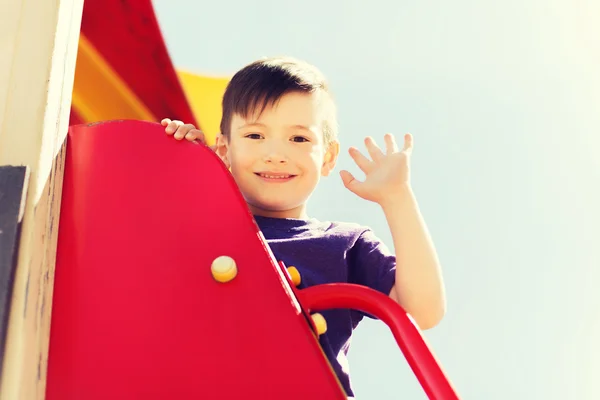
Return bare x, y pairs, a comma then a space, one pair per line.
294, 213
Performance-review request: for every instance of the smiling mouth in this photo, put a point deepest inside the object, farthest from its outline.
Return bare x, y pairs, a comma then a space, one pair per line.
272, 176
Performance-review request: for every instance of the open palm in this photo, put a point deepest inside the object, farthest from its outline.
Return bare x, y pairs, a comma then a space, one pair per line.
385, 172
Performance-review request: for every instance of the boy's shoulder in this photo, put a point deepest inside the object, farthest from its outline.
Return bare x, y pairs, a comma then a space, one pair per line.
276, 227
358, 236
350, 228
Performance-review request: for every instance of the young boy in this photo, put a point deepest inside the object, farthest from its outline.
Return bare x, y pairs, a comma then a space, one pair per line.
279, 137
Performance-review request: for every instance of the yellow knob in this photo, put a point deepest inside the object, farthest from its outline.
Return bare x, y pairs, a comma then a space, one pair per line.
320, 323
223, 269
294, 275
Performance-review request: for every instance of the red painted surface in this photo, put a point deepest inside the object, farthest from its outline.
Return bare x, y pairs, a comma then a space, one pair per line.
411, 342
126, 33
136, 312
75, 118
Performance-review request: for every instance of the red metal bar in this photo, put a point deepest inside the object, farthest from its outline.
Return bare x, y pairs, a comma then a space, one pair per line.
420, 358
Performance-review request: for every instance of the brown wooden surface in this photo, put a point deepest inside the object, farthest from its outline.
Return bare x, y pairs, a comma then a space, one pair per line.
36, 82
13, 190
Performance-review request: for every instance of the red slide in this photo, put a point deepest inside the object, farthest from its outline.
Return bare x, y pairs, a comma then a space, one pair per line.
138, 312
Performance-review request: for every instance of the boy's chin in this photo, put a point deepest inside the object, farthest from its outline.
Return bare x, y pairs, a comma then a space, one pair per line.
275, 206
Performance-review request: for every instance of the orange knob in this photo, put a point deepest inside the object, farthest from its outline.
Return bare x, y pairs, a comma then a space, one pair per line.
294, 275
320, 323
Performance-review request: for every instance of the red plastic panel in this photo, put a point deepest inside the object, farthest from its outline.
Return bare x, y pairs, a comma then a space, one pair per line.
136, 311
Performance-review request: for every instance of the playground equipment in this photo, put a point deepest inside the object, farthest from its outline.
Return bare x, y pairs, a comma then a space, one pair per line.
156, 297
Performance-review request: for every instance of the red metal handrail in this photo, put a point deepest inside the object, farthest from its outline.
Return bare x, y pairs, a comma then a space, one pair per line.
416, 351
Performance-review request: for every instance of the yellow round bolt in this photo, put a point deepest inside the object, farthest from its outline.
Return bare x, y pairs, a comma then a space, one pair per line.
223, 269
320, 323
294, 275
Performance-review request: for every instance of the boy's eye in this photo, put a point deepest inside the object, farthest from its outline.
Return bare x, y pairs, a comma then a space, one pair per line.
299, 139
253, 136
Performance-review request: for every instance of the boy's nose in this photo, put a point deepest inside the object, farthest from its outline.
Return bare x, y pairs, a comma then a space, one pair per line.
275, 158
275, 155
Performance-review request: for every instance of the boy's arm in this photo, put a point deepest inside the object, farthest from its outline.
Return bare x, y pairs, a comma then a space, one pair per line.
419, 287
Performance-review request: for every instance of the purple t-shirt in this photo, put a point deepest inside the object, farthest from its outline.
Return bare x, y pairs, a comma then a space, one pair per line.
328, 252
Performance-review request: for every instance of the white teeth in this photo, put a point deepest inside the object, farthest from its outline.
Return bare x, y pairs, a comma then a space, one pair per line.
275, 176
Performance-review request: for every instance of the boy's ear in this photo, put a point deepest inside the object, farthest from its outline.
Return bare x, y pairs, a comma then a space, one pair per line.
330, 159
222, 149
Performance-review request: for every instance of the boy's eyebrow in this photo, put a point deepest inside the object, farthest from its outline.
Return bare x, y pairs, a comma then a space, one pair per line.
251, 124
261, 125
303, 127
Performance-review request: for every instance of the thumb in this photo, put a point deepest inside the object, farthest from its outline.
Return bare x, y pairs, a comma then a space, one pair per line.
350, 182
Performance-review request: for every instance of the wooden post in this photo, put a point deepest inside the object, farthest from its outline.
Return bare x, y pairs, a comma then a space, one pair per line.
13, 189
39, 45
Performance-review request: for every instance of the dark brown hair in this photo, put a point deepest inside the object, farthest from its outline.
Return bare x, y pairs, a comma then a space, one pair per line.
263, 82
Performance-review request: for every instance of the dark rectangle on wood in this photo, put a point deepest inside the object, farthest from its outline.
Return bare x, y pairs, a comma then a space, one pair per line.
13, 190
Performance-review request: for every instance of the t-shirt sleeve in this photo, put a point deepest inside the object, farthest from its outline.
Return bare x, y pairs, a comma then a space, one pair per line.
372, 264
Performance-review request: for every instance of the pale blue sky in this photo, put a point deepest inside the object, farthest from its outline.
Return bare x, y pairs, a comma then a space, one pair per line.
503, 99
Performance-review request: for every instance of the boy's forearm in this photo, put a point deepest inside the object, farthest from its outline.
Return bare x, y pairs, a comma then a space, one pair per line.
419, 284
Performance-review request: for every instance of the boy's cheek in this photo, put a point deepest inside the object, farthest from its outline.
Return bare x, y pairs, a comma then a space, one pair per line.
317, 156
239, 158
313, 152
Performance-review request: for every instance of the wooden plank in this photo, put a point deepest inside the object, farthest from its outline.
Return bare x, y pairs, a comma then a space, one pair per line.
37, 66
13, 190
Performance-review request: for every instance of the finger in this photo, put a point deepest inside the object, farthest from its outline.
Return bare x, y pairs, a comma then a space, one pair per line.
165, 122
390, 144
353, 184
363, 162
408, 143
183, 130
350, 182
374, 150
172, 127
196, 134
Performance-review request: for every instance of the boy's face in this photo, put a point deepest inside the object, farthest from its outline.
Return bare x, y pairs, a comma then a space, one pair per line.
278, 157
